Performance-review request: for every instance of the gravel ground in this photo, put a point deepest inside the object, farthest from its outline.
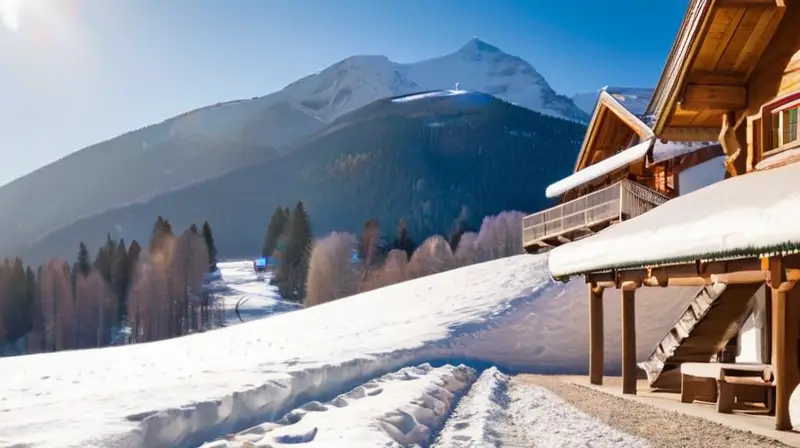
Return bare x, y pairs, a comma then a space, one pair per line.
662, 428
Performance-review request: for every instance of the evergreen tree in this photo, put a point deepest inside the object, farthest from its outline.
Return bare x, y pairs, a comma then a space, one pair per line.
293, 269
134, 252
208, 236
403, 240
120, 275
162, 232
277, 226
84, 262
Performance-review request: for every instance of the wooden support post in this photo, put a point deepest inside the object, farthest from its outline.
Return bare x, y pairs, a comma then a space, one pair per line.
595, 334
629, 340
767, 336
782, 421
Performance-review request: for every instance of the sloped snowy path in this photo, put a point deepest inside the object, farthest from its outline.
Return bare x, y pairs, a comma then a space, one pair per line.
536, 414
499, 412
256, 299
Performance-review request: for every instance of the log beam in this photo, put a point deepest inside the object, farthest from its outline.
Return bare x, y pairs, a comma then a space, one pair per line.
748, 3
689, 134
596, 334
745, 271
710, 77
702, 97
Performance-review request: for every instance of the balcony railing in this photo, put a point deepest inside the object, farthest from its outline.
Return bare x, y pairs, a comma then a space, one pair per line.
582, 216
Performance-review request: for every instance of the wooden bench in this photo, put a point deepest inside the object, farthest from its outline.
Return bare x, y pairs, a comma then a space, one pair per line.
722, 383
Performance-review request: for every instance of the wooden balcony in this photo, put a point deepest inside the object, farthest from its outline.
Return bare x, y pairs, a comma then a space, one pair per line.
587, 215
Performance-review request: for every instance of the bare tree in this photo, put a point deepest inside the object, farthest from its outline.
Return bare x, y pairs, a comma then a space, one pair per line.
95, 310
467, 252
500, 236
394, 269
188, 265
331, 273
431, 257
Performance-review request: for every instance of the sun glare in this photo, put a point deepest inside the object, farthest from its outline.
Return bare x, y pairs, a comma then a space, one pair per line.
9, 14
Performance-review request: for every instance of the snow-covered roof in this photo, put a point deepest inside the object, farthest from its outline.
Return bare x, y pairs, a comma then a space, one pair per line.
599, 169
740, 217
634, 100
667, 150
783, 158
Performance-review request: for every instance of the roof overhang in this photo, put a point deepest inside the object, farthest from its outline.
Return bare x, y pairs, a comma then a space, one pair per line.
740, 217
716, 49
607, 166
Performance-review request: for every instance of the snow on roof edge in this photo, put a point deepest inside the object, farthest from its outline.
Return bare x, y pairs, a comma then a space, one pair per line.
730, 219
601, 168
668, 150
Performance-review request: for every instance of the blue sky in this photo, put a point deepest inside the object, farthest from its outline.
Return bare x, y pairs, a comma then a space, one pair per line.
77, 72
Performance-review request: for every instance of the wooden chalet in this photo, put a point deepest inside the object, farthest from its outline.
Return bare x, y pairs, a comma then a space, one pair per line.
733, 75
622, 171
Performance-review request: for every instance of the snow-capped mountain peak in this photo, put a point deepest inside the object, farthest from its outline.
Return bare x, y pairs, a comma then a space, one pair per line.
475, 45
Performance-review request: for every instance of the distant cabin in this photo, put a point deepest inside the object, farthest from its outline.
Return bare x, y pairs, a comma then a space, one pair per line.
623, 170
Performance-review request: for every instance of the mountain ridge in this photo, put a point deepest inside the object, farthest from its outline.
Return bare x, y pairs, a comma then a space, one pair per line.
415, 159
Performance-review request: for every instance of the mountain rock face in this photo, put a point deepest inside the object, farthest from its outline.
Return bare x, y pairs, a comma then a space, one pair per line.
635, 99
431, 158
207, 142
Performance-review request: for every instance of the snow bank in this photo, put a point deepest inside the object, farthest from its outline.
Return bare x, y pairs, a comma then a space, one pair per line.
185, 391
405, 407
479, 415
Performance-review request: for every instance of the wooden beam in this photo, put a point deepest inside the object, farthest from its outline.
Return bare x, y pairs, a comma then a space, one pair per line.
747, 3
707, 77
745, 271
702, 97
689, 134
596, 334
629, 341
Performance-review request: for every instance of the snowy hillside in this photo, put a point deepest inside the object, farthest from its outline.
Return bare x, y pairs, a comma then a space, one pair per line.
635, 99
272, 374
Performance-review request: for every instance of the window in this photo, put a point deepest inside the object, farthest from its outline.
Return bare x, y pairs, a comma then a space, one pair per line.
785, 126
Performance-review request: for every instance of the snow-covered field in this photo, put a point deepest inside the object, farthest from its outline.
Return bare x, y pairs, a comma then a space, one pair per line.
387, 365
